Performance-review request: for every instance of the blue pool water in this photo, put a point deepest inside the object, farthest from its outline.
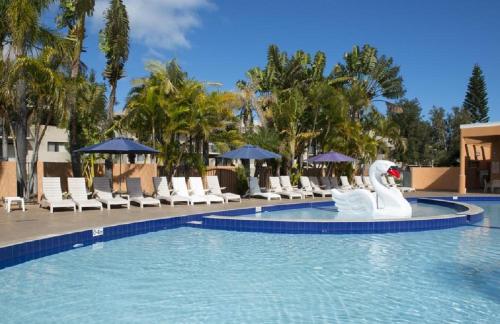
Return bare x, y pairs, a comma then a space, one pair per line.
330, 213
190, 275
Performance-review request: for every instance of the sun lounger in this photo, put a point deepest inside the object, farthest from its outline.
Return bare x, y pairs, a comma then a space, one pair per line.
286, 185
215, 189
359, 182
326, 183
274, 182
134, 190
52, 195
491, 186
393, 184
78, 193
196, 185
305, 184
254, 190
162, 192
334, 183
345, 183
104, 193
180, 188
319, 189
368, 183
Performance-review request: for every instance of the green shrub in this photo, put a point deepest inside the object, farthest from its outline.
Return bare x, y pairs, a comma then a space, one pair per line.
241, 180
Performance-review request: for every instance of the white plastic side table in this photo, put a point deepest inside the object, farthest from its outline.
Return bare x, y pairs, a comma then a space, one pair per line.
9, 200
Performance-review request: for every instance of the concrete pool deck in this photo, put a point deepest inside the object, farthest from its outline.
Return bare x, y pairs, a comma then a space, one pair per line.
37, 223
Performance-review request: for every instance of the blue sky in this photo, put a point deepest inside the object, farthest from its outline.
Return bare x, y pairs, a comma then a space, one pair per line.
436, 43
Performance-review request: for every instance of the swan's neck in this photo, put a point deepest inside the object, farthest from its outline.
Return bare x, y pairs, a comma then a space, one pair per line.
375, 179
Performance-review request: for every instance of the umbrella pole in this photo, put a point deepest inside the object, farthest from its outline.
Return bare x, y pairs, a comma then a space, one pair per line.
120, 173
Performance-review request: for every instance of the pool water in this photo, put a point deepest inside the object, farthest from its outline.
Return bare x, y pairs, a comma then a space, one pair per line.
190, 275
331, 213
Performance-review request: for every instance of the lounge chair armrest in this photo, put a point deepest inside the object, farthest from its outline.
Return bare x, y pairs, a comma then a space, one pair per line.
223, 188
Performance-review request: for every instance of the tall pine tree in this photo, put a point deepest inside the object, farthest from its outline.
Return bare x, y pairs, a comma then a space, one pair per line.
476, 99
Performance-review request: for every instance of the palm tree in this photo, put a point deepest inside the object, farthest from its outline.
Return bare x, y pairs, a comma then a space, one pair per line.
73, 14
114, 43
21, 23
366, 72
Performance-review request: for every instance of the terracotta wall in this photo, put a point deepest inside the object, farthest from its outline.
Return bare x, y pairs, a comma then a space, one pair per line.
8, 179
434, 178
144, 171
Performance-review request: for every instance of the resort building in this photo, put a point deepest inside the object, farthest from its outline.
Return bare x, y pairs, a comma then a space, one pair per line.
53, 148
479, 157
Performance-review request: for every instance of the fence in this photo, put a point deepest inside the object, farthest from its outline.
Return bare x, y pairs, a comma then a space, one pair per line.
8, 179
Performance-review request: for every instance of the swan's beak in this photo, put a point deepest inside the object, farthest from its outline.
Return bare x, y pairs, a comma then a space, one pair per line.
393, 171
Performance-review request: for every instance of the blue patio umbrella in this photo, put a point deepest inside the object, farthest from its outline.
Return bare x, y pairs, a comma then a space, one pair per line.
118, 145
331, 157
250, 152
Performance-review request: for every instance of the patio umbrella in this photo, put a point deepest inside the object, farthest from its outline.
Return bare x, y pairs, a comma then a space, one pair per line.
250, 152
331, 157
118, 145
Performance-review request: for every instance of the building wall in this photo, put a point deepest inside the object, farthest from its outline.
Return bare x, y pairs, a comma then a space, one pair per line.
434, 178
55, 135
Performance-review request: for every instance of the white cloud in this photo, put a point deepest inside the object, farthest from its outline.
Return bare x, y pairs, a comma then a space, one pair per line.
161, 24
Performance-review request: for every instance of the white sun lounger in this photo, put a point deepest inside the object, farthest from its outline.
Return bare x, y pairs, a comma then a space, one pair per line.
255, 191
215, 189
180, 188
275, 185
345, 183
315, 186
162, 192
52, 195
368, 183
393, 183
196, 185
286, 185
305, 186
104, 193
134, 190
326, 183
359, 182
78, 193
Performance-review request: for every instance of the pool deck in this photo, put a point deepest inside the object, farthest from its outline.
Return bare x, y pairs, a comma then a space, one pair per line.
36, 223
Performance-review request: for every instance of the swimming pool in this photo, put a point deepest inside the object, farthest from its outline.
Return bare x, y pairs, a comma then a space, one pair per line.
189, 275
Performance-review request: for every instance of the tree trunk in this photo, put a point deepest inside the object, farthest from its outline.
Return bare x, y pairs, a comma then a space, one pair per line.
111, 103
21, 134
5, 142
205, 152
72, 100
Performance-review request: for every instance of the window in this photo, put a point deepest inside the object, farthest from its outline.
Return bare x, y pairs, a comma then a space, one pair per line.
55, 146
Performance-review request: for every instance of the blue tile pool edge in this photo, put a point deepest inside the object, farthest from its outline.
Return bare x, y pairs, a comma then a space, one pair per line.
22, 252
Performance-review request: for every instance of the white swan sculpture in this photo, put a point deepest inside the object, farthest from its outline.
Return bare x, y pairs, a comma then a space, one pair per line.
385, 203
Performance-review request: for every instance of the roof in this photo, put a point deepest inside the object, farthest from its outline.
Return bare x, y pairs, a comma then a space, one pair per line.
479, 125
